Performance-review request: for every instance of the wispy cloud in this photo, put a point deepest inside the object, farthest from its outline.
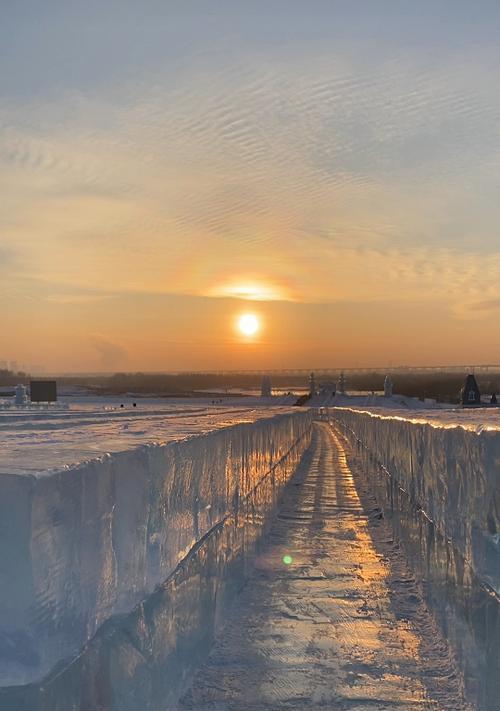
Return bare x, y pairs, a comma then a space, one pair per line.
485, 306
110, 354
75, 298
323, 169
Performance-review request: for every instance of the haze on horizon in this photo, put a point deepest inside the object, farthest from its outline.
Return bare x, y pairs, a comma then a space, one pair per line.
332, 167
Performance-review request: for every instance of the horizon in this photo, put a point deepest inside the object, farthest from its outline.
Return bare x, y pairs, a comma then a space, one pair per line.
394, 369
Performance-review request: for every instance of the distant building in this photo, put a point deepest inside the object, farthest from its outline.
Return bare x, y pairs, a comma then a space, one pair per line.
341, 385
312, 385
21, 396
388, 386
471, 395
265, 388
494, 399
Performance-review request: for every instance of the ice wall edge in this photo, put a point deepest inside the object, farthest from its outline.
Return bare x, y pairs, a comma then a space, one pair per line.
99, 542
440, 487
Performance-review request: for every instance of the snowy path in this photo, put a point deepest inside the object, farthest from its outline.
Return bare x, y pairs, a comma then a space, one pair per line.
334, 629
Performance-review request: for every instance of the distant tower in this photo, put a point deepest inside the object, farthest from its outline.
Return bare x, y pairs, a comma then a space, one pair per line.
388, 386
265, 388
312, 384
21, 397
494, 399
341, 384
471, 395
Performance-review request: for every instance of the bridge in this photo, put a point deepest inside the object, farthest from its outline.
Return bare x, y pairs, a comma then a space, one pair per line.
355, 370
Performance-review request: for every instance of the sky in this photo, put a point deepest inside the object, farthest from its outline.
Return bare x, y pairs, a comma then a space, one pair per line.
331, 166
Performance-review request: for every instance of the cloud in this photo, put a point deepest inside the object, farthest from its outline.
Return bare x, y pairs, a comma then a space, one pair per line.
491, 305
110, 354
324, 175
77, 298
252, 289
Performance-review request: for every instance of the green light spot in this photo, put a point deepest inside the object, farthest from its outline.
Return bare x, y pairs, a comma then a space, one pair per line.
287, 559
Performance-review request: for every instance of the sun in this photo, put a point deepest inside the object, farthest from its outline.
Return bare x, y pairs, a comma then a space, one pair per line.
248, 324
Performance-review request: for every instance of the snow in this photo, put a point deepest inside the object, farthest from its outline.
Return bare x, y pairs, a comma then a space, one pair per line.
474, 419
38, 441
368, 400
99, 504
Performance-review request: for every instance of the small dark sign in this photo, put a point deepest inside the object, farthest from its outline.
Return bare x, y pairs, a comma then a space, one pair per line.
43, 391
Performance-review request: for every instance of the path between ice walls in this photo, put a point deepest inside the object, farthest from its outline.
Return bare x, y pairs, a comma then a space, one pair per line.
439, 482
118, 536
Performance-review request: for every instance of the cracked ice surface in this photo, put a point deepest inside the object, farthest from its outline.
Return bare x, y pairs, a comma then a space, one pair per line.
97, 507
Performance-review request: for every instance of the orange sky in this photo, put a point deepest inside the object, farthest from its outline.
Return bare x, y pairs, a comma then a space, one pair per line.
335, 172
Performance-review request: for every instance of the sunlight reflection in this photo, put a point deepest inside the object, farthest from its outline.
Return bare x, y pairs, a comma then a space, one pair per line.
251, 291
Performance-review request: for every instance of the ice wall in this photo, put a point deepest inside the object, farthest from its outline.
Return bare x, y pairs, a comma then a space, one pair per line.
440, 484
85, 544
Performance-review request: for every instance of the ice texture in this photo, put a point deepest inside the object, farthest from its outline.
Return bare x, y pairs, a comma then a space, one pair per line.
82, 544
42, 440
438, 478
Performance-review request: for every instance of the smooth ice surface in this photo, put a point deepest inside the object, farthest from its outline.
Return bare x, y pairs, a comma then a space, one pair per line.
98, 507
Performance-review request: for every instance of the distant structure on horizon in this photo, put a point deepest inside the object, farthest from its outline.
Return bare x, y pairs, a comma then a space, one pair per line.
341, 385
471, 395
43, 391
21, 396
388, 386
312, 385
265, 388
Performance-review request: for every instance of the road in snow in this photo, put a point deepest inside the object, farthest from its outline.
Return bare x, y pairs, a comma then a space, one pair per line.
344, 625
